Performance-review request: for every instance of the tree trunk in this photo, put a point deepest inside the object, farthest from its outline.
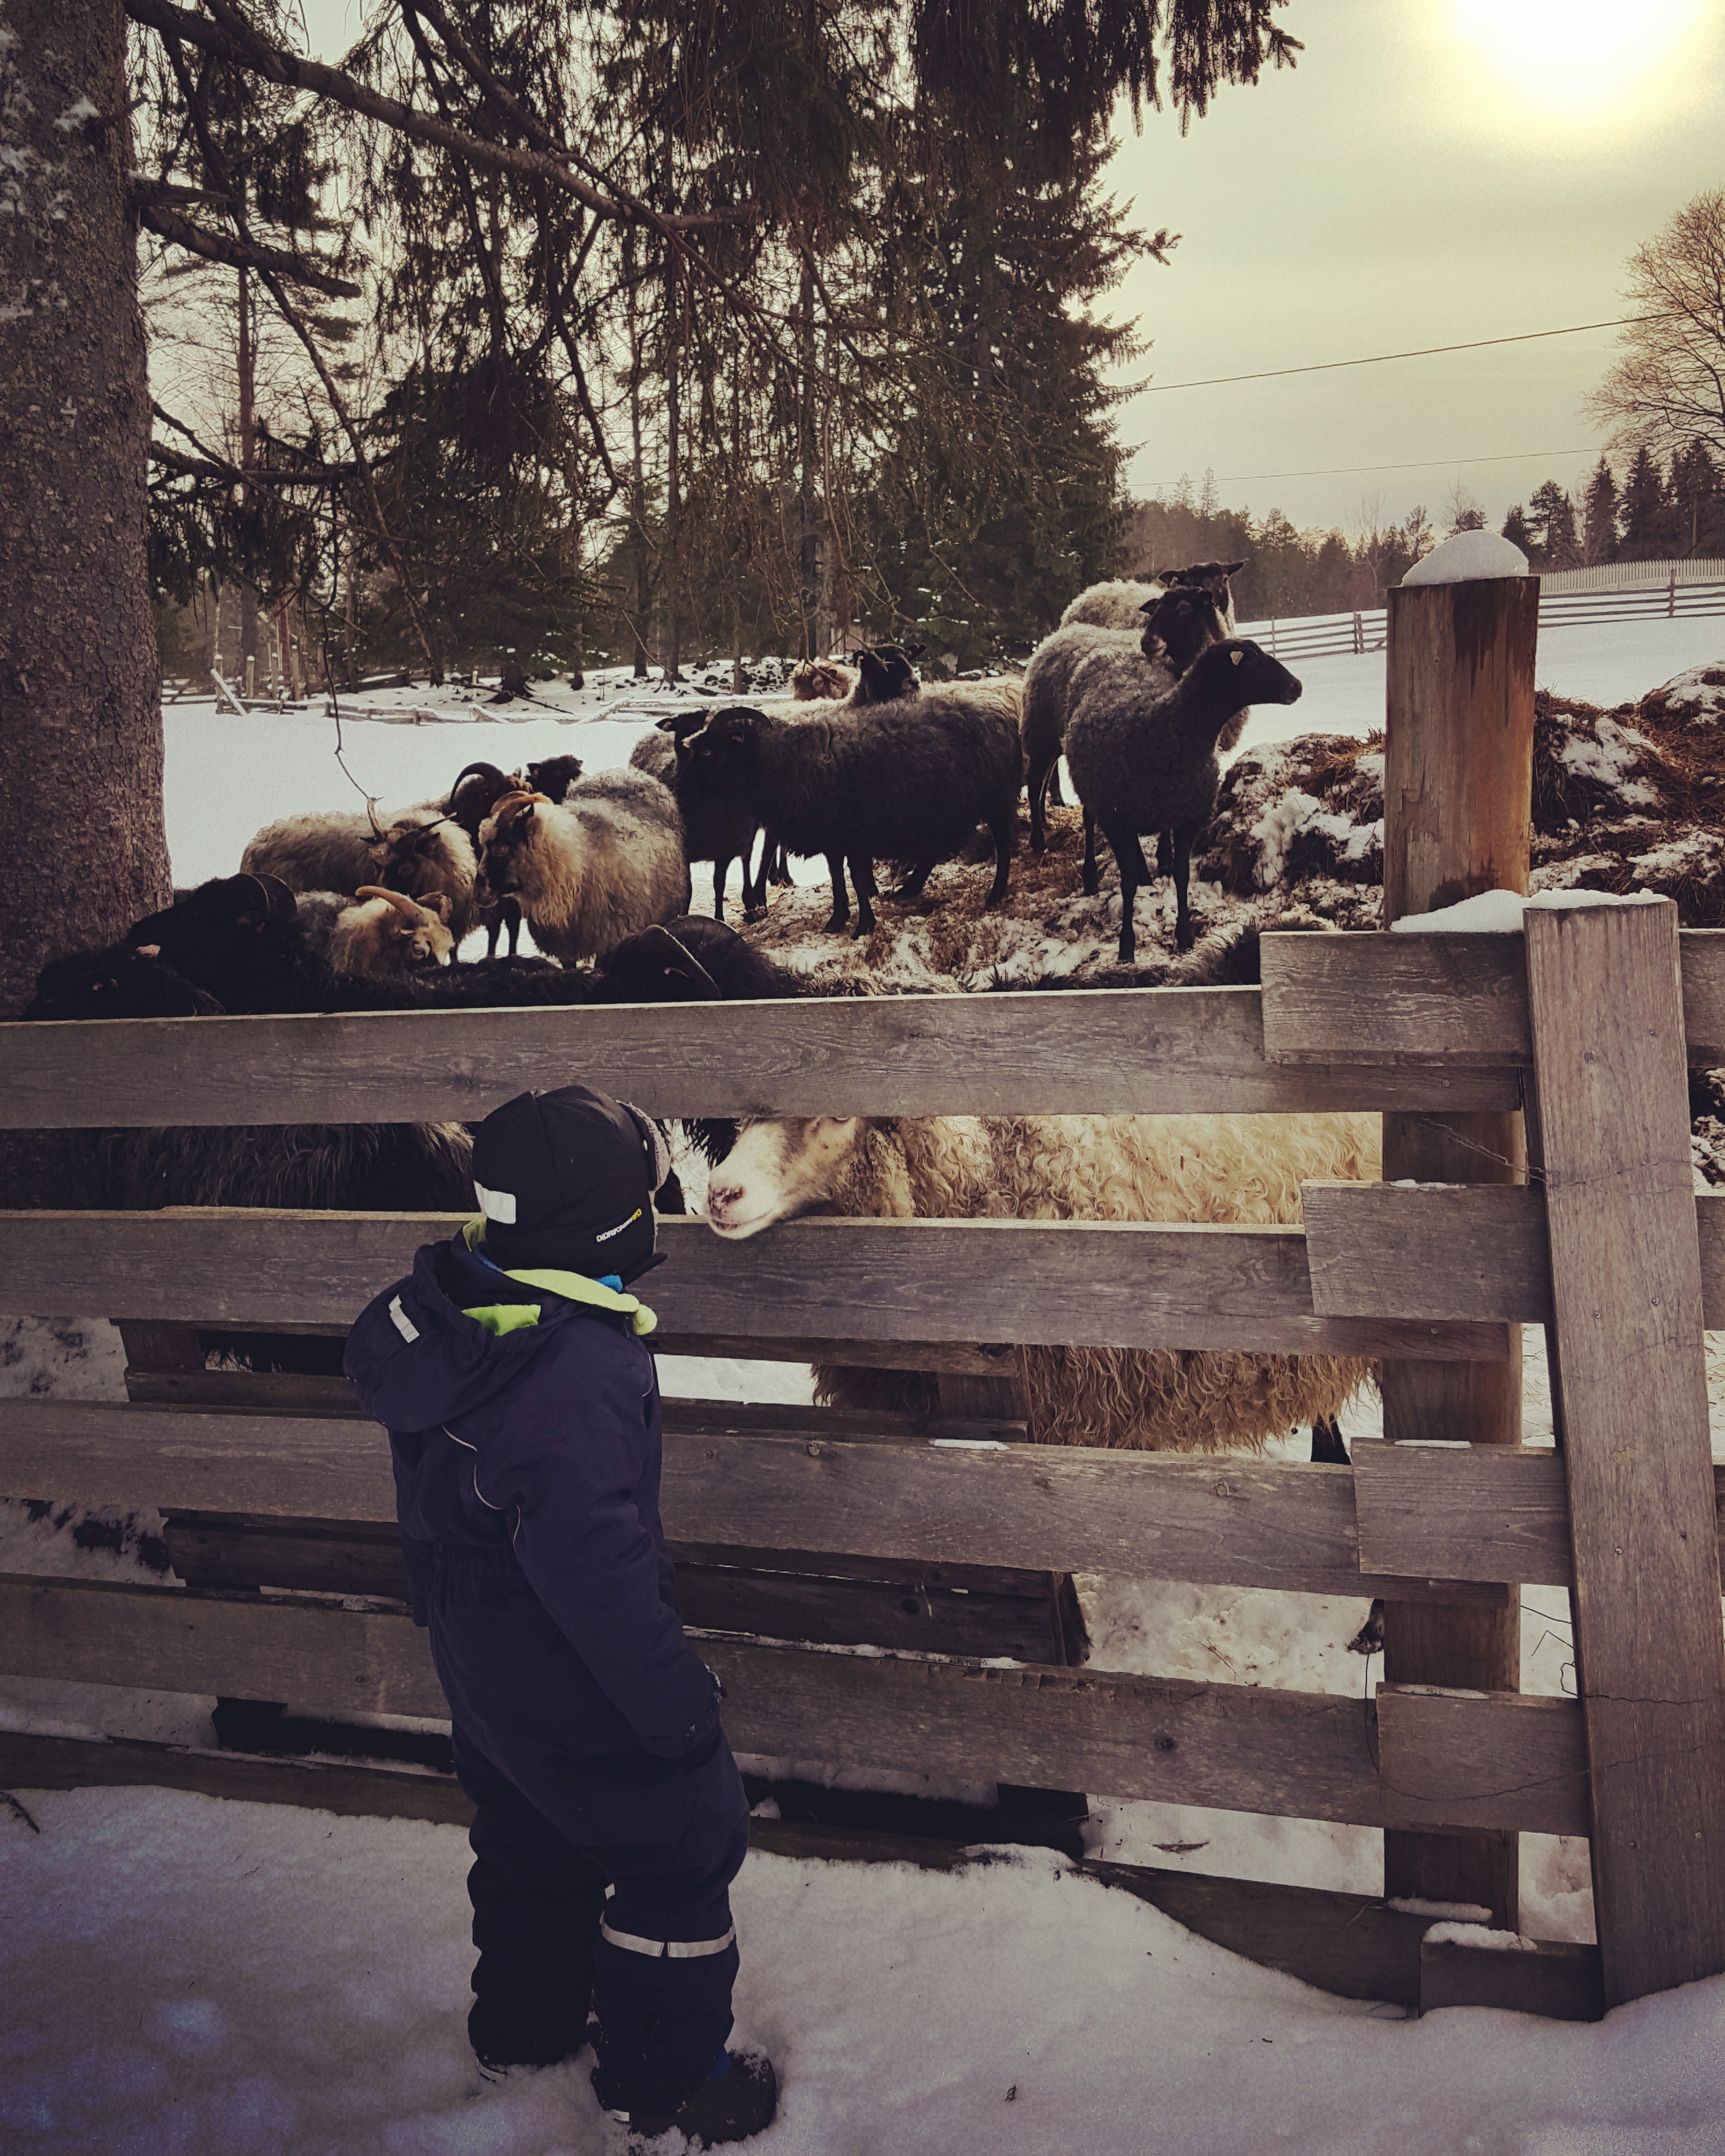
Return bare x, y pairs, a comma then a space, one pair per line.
248, 458
80, 692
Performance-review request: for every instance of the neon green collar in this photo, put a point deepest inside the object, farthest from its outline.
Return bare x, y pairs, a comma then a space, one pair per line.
501, 1317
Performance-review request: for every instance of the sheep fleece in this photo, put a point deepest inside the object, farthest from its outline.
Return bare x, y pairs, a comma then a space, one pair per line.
1185, 1169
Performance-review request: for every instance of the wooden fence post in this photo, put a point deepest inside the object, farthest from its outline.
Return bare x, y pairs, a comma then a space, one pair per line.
1650, 1650
1457, 809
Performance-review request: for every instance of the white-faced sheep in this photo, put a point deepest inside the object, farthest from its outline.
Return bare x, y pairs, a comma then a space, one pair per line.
605, 861
719, 831
1180, 1169
908, 780
1143, 763
1170, 633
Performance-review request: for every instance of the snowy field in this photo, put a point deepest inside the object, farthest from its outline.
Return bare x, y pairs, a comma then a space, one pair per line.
188, 1976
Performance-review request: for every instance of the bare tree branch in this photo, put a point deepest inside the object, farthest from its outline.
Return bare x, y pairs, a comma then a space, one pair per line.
239, 254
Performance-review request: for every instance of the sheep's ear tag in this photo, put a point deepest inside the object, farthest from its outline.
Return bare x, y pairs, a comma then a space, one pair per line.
1235, 656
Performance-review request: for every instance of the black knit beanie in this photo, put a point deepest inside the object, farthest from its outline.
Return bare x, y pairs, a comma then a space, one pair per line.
566, 1180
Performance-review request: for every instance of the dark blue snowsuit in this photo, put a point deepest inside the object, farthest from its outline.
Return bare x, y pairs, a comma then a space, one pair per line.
523, 1416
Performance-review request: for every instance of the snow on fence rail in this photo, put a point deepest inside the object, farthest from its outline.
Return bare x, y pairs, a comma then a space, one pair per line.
1411, 1023
1569, 598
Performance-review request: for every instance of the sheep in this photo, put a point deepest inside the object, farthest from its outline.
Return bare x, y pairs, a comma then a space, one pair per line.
1141, 762
418, 851
1184, 1169
909, 779
377, 935
552, 776
884, 672
1117, 604
716, 831
1168, 634
816, 680
604, 862
477, 790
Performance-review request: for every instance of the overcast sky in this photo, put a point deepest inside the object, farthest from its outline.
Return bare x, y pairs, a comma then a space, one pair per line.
1432, 171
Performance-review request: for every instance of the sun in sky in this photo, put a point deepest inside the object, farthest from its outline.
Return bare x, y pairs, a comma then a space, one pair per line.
1571, 56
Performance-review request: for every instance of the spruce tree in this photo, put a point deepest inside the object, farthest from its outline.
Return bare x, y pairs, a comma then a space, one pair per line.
1642, 517
1599, 529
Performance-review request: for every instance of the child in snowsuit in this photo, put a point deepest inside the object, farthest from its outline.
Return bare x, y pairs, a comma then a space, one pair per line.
523, 1417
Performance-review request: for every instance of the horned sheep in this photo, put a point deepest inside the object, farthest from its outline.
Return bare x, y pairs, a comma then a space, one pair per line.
1179, 1168
419, 851
604, 862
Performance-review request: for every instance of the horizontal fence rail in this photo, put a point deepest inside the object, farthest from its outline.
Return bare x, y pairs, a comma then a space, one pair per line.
1359, 1021
1448, 1762
1124, 1285
1566, 600
1083, 1051
1434, 1520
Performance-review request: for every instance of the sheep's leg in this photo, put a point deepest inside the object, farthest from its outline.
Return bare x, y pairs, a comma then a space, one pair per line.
512, 918
841, 897
1004, 828
862, 874
911, 887
494, 930
722, 877
1184, 833
1092, 874
1128, 857
1327, 1446
1045, 775
754, 880
1164, 853
1056, 799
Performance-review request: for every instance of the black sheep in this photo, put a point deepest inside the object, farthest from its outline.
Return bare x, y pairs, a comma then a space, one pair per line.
1147, 763
907, 780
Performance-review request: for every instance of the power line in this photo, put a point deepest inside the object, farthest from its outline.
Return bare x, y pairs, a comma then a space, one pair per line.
1423, 463
1377, 359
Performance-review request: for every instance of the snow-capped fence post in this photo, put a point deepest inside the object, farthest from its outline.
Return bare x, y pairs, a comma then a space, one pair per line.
1605, 1000
1457, 803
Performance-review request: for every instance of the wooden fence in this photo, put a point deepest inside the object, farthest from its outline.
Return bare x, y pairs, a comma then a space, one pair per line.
1613, 1254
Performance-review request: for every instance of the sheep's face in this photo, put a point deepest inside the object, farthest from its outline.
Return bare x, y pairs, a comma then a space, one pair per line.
1251, 674
1179, 625
885, 671
424, 860
719, 761
779, 1170
554, 775
506, 844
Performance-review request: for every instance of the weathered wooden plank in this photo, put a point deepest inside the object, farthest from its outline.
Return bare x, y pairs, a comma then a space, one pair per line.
1627, 1284
1553, 1978
1393, 1000
1060, 1282
1481, 1512
1449, 1250
1089, 1051
1484, 1759
1456, 1251
1388, 999
1305, 1755
1226, 1520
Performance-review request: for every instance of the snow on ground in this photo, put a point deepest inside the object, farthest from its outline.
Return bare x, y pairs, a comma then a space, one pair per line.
215, 1980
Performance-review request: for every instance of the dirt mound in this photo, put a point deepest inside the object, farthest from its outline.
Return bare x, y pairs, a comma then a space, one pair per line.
1293, 811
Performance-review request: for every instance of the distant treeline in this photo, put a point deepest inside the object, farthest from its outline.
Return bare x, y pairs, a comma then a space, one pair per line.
1674, 512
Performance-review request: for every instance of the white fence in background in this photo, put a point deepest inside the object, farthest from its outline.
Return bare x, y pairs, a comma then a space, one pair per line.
1569, 598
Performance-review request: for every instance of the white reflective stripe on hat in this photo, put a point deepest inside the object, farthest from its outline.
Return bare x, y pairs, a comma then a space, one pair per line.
404, 1325
668, 1949
498, 1205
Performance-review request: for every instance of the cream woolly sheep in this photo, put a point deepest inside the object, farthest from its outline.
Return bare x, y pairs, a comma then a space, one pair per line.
1184, 1169
816, 680
379, 934
604, 862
